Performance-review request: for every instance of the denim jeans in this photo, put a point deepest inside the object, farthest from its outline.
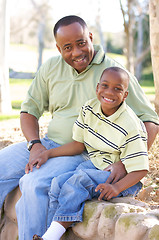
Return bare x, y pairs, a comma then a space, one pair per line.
69, 192
32, 207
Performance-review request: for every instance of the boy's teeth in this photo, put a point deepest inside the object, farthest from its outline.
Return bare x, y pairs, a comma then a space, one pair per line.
107, 99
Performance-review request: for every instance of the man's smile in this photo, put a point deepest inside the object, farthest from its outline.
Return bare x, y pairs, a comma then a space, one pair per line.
79, 60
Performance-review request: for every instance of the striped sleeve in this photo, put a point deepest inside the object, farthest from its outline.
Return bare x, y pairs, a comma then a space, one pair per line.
134, 151
78, 127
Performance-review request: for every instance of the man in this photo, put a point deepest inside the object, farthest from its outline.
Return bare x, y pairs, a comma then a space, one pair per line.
60, 87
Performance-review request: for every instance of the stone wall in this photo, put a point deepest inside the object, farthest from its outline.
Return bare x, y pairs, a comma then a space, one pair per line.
118, 219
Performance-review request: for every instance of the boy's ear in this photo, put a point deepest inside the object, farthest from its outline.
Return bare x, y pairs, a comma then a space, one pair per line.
97, 87
58, 48
125, 95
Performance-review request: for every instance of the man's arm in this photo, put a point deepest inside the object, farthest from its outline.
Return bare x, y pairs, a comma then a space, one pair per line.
30, 129
29, 126
69, 149
152, 131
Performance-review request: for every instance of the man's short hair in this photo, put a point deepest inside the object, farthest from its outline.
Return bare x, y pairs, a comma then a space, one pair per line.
67, 20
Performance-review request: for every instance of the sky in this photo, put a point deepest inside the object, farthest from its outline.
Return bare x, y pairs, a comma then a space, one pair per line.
110, 14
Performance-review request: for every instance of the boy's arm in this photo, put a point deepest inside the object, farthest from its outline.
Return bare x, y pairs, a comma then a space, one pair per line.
69, 149
112, 190
117, 169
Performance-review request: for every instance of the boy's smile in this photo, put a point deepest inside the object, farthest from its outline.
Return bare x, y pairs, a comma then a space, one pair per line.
111, 91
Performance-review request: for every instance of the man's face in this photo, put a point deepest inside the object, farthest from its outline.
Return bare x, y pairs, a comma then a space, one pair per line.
111, 91
75, 45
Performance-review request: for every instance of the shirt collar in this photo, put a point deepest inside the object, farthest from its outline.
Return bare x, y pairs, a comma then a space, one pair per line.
99, 57
115, 115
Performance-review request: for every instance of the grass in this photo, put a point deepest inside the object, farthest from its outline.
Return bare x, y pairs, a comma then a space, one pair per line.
7, 117
147, 82
19, 87
14, 81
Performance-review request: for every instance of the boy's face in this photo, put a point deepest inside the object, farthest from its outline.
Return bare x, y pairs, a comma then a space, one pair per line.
111, 91
75, 45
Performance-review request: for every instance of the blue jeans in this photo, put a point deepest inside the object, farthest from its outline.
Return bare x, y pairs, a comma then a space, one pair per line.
32, 207
69, 192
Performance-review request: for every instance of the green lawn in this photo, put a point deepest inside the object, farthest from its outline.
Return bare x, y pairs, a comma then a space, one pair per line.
19, 87
147, 82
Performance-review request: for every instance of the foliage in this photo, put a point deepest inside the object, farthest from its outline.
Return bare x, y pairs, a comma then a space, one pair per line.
113, 49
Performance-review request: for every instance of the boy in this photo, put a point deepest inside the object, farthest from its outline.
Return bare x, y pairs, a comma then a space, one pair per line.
110, 131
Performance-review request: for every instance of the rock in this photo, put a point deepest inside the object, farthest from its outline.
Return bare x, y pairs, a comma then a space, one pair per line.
145, 194
117, 219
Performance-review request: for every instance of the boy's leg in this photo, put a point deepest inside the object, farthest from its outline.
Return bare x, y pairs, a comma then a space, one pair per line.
32, 208
54, 192
75, 191
12, 167
56, 185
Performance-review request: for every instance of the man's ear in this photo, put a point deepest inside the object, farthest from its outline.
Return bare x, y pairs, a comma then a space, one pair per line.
58, 48
91, 36
125, 95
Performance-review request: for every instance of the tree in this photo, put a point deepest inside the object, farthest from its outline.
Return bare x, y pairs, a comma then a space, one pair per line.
5, 103
41, 12
129, 22
154, 41
133, 12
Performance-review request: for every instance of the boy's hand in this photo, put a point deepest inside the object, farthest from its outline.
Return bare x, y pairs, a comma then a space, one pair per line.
117, 170
107, 191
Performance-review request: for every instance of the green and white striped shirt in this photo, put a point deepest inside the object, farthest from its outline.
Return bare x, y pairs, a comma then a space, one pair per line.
121, 136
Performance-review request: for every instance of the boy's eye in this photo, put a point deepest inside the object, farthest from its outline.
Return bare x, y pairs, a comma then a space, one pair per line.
118, 89
104, 85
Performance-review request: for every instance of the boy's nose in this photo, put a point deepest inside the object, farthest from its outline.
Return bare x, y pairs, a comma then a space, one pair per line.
109, 91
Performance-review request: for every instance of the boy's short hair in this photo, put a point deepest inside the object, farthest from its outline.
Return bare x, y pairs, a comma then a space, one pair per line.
117, 69
67, 20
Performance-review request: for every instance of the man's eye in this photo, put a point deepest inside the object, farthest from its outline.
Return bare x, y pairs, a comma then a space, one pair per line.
67, 48
82, 44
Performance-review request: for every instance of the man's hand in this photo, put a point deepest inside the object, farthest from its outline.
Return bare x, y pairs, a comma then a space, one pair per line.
117, 170
107, 191
152, 131
35, 154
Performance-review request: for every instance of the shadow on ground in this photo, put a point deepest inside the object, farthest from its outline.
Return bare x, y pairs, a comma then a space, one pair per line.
21, 75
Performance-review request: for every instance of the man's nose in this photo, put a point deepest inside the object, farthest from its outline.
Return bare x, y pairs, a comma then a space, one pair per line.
76, 51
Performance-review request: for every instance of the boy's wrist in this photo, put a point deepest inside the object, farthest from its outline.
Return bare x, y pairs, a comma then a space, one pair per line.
50, 153
117, 187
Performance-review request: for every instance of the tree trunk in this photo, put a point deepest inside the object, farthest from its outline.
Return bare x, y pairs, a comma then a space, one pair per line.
129, 21
154, 42
130, 38
5, 103
138, 68
41, 41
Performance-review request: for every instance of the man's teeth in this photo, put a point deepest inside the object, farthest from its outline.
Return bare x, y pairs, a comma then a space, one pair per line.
79, 60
